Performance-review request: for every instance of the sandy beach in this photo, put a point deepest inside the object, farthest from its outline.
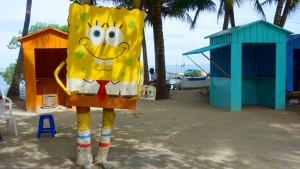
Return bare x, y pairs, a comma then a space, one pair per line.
181, 132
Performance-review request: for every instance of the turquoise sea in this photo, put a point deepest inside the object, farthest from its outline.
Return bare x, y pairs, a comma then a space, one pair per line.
169, 69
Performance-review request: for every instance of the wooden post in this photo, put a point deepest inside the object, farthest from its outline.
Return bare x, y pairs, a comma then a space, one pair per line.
84, 151
108, 121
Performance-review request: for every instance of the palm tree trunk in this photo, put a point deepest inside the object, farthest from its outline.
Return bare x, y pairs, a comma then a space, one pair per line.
226, 16
161, 87
89, 2
231, 14
13, 91
277, 17
285, 13
145, 60
138, 4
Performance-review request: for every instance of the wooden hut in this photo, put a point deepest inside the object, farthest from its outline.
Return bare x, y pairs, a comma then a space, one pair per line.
43, 52
293, 63
248, 66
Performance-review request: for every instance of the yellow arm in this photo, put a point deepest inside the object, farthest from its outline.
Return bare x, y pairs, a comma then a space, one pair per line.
140, 83
56, 72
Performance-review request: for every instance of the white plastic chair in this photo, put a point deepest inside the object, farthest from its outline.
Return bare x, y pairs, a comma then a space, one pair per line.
7, 114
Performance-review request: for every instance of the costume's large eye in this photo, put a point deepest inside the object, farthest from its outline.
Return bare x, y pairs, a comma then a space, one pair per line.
114, 36
96, 34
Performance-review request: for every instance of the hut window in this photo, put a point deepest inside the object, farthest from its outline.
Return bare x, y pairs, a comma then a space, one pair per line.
221, 57
259, 60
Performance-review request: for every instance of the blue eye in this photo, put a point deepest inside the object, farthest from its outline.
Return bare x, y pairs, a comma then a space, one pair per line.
111, 34
114, 36
96, 33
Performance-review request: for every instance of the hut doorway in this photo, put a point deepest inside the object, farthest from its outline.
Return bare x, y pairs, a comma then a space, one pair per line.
46, 61
258, 73
296, 70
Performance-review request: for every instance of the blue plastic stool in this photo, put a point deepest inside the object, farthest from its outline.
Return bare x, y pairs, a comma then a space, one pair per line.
51, 129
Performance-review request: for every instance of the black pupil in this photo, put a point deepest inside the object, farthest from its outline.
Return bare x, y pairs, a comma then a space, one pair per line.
111, 34
96, 33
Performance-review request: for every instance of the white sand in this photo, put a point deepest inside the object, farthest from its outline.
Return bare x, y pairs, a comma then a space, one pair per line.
181, 132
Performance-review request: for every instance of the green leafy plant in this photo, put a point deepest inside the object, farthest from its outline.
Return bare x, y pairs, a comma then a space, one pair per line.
8, 74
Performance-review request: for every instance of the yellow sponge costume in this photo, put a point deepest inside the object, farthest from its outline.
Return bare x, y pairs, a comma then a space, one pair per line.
104, 44
104, 49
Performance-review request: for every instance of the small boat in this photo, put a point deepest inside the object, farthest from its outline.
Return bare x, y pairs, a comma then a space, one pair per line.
190, 79
193, 82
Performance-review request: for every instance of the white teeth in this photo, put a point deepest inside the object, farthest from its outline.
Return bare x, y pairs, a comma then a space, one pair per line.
108, 62
98, 61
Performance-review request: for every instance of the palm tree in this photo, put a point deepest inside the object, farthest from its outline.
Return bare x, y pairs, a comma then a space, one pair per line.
145, 55
285, 12
226, 8
145, 60
159, 48
281, 13
179, 9
13, 91
172, 9
278, 12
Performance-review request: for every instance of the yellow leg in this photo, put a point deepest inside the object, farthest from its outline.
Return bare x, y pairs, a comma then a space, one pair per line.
106, 132
84, 151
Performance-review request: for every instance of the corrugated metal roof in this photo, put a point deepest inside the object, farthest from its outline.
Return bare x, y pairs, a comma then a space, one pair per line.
292, 37
204, 49
234, 29
42, 31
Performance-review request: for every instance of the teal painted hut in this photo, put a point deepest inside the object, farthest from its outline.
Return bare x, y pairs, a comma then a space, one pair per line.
293, 63
248, 66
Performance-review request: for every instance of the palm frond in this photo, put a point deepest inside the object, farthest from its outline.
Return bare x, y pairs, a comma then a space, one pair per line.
258, 9
221, 9
268, 2
195, 19
239, 3
294, 6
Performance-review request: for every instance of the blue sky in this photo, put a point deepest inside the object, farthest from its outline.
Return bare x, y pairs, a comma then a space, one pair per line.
177, 35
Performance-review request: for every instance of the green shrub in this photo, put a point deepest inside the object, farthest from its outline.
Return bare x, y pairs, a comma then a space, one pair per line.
9, 72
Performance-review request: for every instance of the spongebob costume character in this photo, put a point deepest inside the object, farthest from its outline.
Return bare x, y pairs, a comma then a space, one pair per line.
104, 48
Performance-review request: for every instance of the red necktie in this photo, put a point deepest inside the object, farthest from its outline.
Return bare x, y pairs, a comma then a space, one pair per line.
101, 95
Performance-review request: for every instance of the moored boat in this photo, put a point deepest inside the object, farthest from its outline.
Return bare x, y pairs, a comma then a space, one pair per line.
193, 82
190, 79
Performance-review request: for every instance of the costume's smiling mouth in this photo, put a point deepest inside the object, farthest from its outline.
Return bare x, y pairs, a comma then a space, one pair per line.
122, 47
108, 61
